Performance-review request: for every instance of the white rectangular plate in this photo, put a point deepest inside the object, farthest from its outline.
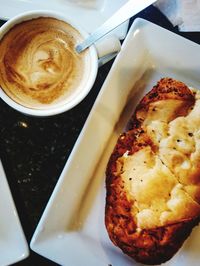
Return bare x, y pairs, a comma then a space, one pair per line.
89, 14
13, 245
71, 230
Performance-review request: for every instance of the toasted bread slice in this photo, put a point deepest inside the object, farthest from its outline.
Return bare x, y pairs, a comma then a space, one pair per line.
153, 175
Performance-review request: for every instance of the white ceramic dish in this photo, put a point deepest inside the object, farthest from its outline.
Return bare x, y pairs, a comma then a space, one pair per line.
13, 245
88, 13
71, 230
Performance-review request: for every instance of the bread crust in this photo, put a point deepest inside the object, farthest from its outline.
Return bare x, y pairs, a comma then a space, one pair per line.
146, 245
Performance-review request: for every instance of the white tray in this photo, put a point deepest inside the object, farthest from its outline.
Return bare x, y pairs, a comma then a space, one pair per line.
71, 230
88, 13
13, 245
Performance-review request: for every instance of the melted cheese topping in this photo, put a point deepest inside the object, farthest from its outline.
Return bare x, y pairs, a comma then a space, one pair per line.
166, 185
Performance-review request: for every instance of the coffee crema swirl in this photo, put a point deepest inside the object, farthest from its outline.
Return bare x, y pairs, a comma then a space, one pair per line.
38, 63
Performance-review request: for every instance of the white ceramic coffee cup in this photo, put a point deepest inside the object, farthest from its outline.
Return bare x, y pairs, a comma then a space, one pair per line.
99, 54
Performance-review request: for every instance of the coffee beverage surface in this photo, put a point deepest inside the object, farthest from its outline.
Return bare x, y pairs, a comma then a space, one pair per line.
38, 63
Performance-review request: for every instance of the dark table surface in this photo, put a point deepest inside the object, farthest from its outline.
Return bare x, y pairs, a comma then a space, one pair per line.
35, 150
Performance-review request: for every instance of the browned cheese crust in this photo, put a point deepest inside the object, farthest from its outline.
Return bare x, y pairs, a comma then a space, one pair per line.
152, 232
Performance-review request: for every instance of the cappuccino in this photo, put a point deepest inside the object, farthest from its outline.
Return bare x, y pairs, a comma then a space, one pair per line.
39, 66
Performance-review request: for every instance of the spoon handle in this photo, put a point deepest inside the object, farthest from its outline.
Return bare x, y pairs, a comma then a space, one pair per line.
131, 8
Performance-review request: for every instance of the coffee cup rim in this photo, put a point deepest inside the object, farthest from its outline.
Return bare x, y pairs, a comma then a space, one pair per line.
28, 15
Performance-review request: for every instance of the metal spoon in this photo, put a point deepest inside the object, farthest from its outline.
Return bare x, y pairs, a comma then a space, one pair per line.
131, 8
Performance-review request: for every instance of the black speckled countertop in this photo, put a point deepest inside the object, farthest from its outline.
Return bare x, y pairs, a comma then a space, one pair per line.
35, 150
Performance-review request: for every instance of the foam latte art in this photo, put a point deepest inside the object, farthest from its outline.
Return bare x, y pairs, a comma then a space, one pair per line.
38, 64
